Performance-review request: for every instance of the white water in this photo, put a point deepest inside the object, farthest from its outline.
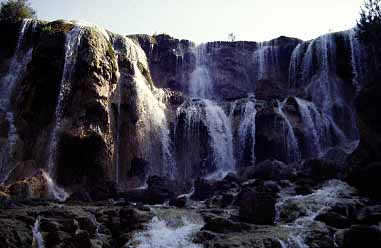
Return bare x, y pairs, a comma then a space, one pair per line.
291, 143
220, 132
309, 206
169, 229
73, 40
54, 190
311, 126
152, 127
358, 60
16, 70
266, 61
247, 128
314, 66
200, 84
208, 113
38, 241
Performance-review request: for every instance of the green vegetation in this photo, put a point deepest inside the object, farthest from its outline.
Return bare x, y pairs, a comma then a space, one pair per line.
56, 26
16, 10
145, 73
110, 51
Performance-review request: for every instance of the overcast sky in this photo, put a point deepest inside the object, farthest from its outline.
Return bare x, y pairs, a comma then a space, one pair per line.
209, 20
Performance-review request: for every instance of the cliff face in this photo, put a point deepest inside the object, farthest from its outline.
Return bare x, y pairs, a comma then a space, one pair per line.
89, 106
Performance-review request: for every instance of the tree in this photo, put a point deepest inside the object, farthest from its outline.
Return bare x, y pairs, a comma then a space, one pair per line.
231, 37
16, 10
369, 27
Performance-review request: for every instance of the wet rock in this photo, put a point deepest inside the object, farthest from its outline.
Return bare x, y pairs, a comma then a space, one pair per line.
257, 207
82, 239
80, 196
320, 170
14, 232
267, 170
162, 189
180, 201
367, 179
370, 215
360, 236
334, 220
203, 189
220, 224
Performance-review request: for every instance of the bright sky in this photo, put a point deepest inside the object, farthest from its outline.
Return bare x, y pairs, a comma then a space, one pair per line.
209, 20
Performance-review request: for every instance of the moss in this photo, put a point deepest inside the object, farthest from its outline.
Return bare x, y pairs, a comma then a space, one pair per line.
145, 73
57, 26
110, 51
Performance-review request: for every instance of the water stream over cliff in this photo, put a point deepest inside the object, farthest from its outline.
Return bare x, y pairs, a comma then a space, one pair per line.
15, 72
290, 142
151, 128
193, 126
73, 40
38, 241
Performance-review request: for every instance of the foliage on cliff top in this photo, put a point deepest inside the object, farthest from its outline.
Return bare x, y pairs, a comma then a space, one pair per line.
16, 10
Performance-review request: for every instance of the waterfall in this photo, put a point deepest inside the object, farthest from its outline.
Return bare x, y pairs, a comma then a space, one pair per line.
200, 84
152, 127
153, 122
246, 130
266, 61
73, 40
313, 66
291, 143
170, 228
16, 70
38, 241
358, 59
56, 192
316, 127
203, 112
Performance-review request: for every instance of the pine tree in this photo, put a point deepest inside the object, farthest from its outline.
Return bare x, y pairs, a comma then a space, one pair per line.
369, 28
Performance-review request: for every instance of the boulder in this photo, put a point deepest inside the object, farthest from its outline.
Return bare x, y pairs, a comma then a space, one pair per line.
221, 224
360, 236
367, 179
257, 207
203, 189
370, 215
180, 201
334, 220
320, 170
267, 170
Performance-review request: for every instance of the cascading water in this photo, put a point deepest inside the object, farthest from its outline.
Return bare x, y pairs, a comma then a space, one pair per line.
358, 59
38, 241
246, 130
202, 111
200, 84
297, 212
313, 66
316, 127
209, 114
170, 228
266, 61
152, 127
16, 70
73, 40
290, 143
